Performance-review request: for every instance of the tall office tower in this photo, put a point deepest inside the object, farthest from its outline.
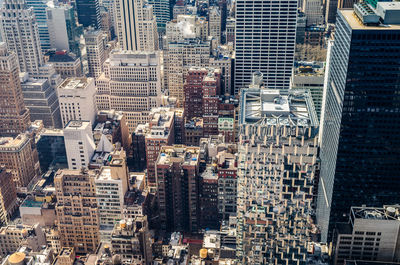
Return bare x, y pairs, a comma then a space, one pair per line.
224, 61
41, 100
111, 185
265, 41
227, 185
314, 12
361, 116
223, 6
131, 83
8, 196
211, 92
230, 30
177, 170
179, 57
162, 12
88, 13
77, 100
277, 169
95, 42
63, 30
160, 132
39, 9
136, 25
208, 198
18, 156
215, 23
331, 10
79, 143
193, 90
131, 240
14, 116
20, 31
76, 208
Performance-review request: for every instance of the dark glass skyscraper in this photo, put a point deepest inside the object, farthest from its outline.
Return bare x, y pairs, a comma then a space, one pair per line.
88, 13
360, 151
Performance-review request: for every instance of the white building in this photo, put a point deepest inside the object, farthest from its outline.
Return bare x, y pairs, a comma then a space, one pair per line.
265, 41
95, 41
111, 185
19, 29
371, 234
79, 143
136, 25
58, 31
77, 99
131, 83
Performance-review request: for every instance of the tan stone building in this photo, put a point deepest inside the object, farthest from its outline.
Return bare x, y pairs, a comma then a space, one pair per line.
77, 212
13, 237
18, 156
8, 195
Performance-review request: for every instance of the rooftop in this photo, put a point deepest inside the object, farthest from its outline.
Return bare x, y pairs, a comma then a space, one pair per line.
61, 57
273, 106
77, 125
75, 83
17, 142
356, 24
178, 153
388, 212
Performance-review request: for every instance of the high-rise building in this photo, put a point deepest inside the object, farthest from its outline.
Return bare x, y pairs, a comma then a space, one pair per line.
215, 23
277, 172
17, 155
8, 195
162, 12
360, 118
77, 99
79, 143
265, 41
76, 208
131, 83
63, 30
14, 116
88, 13
208, 198
177, 171
19, 30
227, 185
39, 9
330, 10
95, 42
370, 235
41, 100
136, 25
111, 185
225, 63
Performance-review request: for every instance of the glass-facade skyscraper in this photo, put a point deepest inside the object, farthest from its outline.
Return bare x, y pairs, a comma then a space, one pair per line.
360, 147
39, 9
88, 13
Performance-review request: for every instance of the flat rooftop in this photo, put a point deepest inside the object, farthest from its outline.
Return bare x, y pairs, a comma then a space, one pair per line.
9, 142
180, 154
77, 125
356, 24
277, 107
75, 83
389, 212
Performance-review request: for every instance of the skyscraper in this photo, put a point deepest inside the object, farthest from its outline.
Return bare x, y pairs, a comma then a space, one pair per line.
88, 13
95, 42
330, 10
361, 118
136, 25
19, 30
14, 116
162, 12
39, 9
215, 23
265, 41
277, 166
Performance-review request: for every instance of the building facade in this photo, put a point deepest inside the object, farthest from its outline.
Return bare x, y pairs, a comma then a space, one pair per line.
95, 41
88, 13
8, 195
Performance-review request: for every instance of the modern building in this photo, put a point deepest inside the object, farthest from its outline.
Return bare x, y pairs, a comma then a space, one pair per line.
39, 9
136, 25
277, 171
265, 42
14, 115
63, 30
131, 240
88, 13
41, 100
66, 64
76, 208
360, 117
131, 83
51, 151
162, 12
19, 157
95, 41
111, 185
215, 23
177, 171
12, 237
8, 195
79, 143
77, 100
19, 29
160, 132
371, 234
